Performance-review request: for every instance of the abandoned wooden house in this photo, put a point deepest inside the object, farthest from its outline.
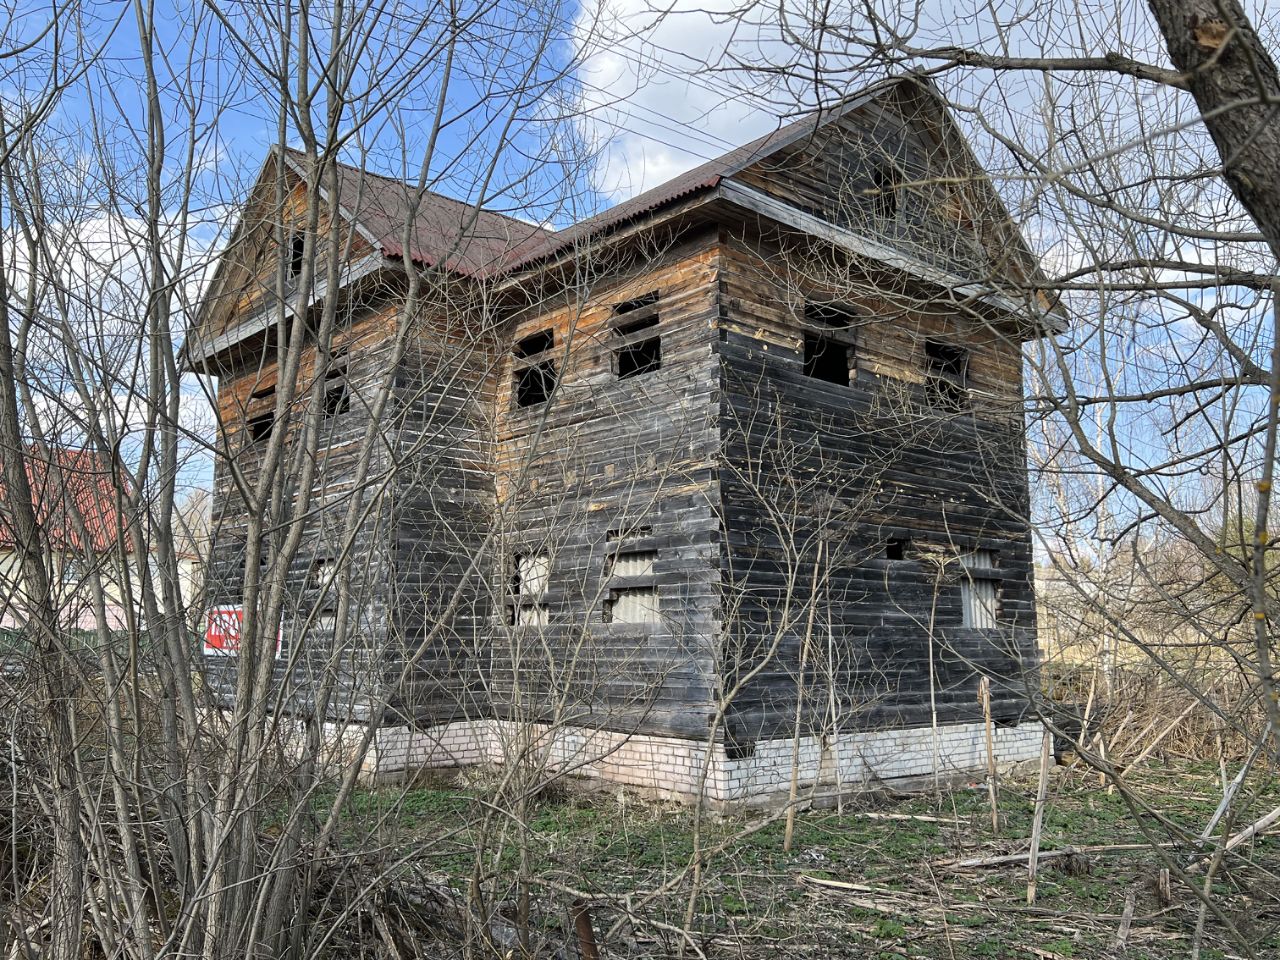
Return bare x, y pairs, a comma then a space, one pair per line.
723, 486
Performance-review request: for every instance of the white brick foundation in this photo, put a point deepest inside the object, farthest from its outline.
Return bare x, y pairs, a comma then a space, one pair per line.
668, 767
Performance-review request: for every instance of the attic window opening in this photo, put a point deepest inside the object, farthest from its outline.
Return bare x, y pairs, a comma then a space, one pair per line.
896, 548
884, 191
947, 374
260, 427
297, 248
534, 344
826, 359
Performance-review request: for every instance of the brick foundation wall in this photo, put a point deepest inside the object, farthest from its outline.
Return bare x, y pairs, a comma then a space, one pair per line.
690, 770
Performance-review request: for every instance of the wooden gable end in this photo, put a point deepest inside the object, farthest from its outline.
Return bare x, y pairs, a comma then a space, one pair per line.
895, 170
262, 259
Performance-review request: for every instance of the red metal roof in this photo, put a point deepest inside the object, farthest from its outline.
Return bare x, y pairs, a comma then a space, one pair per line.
444, 232
70, 488
477, 243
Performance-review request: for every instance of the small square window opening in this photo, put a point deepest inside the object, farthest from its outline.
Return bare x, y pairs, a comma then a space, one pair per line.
260, 427
639, 358
535, 384
947, 373
896, 548
826, 359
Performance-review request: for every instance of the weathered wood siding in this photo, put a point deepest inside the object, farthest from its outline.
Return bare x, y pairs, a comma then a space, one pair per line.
352, 674
885, 171
614, 464
851, 468
442, 510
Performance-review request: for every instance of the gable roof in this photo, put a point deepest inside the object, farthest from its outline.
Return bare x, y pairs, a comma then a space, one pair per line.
68, 487
706, 176
479, 243
441, 231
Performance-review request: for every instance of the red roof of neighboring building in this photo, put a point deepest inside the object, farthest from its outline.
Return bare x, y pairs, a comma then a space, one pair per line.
73, 490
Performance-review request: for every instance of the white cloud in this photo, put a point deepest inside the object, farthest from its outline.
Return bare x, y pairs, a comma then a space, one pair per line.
653, 98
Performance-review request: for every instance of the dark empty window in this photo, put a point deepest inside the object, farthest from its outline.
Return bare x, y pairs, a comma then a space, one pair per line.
534, 344
260, 426
297, 246
826, 359
534, 384
644, 356
639, 352
337, 399
896, 548
947, 374
884, 191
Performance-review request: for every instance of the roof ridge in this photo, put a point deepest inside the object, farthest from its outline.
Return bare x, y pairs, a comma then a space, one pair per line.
427, 191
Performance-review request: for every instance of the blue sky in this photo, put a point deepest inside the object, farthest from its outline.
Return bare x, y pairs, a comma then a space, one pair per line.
623, 98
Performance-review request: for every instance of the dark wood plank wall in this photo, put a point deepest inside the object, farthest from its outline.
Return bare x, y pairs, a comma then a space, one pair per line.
443, 506
728, 463
603, 455
355, 671
854, 467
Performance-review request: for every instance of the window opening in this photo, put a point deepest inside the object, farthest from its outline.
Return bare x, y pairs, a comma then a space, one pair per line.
260, 427
826, 359
639, 358
321, 573
896, 548
632, 592
530, 577
947, 373
535, 344
979, 590
884, 191
535, 384
337, 399
297, 247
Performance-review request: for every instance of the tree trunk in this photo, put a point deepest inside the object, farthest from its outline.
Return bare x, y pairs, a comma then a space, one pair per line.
1237, 89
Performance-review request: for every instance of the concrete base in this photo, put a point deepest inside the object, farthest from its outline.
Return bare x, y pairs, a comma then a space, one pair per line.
695, 771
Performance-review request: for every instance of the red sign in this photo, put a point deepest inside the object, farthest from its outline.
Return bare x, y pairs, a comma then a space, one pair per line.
223, 627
